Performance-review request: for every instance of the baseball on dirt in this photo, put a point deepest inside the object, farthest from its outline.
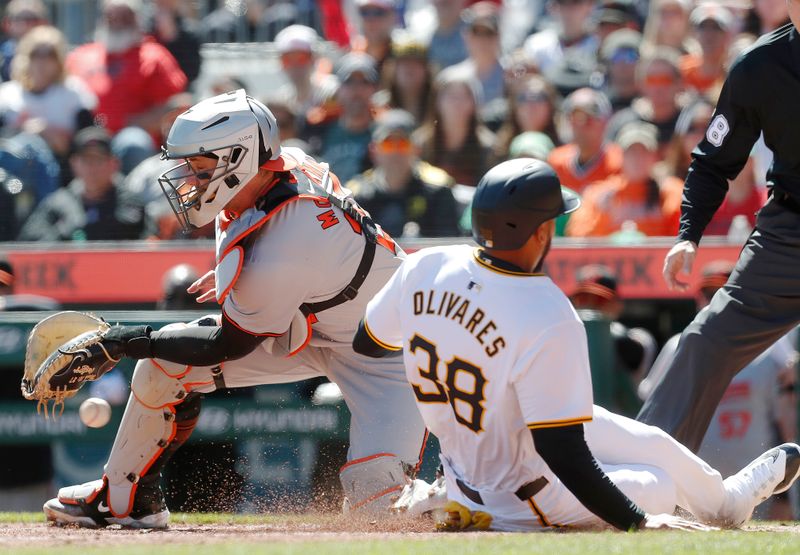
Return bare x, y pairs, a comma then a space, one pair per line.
95, 412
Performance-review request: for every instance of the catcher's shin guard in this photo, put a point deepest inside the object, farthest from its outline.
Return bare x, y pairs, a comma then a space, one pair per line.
158, 419
372, 484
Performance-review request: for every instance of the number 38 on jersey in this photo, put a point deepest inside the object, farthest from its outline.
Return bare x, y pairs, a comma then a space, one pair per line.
462, 387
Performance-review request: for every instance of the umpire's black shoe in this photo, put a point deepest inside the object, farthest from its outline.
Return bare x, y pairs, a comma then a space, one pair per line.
86, 505
792, 451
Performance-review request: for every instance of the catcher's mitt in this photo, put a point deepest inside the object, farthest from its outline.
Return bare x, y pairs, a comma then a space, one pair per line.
62, 354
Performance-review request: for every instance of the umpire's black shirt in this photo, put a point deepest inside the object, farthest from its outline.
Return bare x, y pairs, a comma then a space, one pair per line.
761, 93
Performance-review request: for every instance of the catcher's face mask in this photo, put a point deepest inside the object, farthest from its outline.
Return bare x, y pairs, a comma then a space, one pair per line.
199, 189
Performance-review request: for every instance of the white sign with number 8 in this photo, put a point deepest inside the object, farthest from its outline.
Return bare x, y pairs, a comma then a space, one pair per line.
717, 130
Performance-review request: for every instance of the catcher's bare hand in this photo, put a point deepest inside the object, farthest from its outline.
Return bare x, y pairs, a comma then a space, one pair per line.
679, 258
206, 286
671, 522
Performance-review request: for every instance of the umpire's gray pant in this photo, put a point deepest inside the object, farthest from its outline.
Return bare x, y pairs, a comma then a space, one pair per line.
759, 304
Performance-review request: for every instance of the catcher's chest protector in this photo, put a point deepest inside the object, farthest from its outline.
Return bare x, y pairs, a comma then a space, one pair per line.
311, 181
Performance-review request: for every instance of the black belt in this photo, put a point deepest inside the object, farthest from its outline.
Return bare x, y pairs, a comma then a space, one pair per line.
786, 200
524, 493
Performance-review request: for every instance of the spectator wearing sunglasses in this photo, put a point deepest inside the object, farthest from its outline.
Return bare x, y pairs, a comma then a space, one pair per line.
532, 108
588, 157
619, 56
21, 16
712, 26
407, 196
378, 18
571, 34
482, 36
660, 82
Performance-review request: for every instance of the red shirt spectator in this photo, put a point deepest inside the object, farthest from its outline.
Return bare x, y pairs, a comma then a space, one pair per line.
745, 197
127, 83
131, 75
721, 222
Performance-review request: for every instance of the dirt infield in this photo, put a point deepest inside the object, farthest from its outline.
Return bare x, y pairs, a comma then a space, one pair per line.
291, 529
294, 528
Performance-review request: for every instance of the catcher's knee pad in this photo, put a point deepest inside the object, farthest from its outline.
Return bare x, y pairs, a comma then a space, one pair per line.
157, 383
372, 484
147, 428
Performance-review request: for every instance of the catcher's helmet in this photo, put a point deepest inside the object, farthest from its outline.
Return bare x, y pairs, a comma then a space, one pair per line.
237, 130
513, 199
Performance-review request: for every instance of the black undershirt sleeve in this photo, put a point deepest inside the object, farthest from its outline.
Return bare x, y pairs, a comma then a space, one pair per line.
565, 451
364, 345
197, 345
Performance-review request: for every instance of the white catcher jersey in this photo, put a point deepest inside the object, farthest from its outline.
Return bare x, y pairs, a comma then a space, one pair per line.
489, 354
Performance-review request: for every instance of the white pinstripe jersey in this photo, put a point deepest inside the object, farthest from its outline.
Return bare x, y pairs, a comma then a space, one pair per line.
489, 354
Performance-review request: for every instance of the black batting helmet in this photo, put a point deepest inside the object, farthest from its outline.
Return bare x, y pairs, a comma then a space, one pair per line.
513, 199
174, 285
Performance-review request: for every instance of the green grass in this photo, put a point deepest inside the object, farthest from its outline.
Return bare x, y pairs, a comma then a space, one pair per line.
652, 543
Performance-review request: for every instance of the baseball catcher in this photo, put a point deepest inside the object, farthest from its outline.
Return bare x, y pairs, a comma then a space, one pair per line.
296, 262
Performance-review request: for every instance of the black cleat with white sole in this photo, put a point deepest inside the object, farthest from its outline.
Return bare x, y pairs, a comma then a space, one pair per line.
86, 505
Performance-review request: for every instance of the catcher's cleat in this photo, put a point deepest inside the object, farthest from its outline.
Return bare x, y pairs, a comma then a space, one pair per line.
86, 505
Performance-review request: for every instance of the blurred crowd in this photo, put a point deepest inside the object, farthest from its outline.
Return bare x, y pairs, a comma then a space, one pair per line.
409, 101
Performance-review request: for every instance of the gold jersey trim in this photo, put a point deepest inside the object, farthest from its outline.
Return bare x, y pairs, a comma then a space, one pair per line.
378, 341
558, 423
497, 270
